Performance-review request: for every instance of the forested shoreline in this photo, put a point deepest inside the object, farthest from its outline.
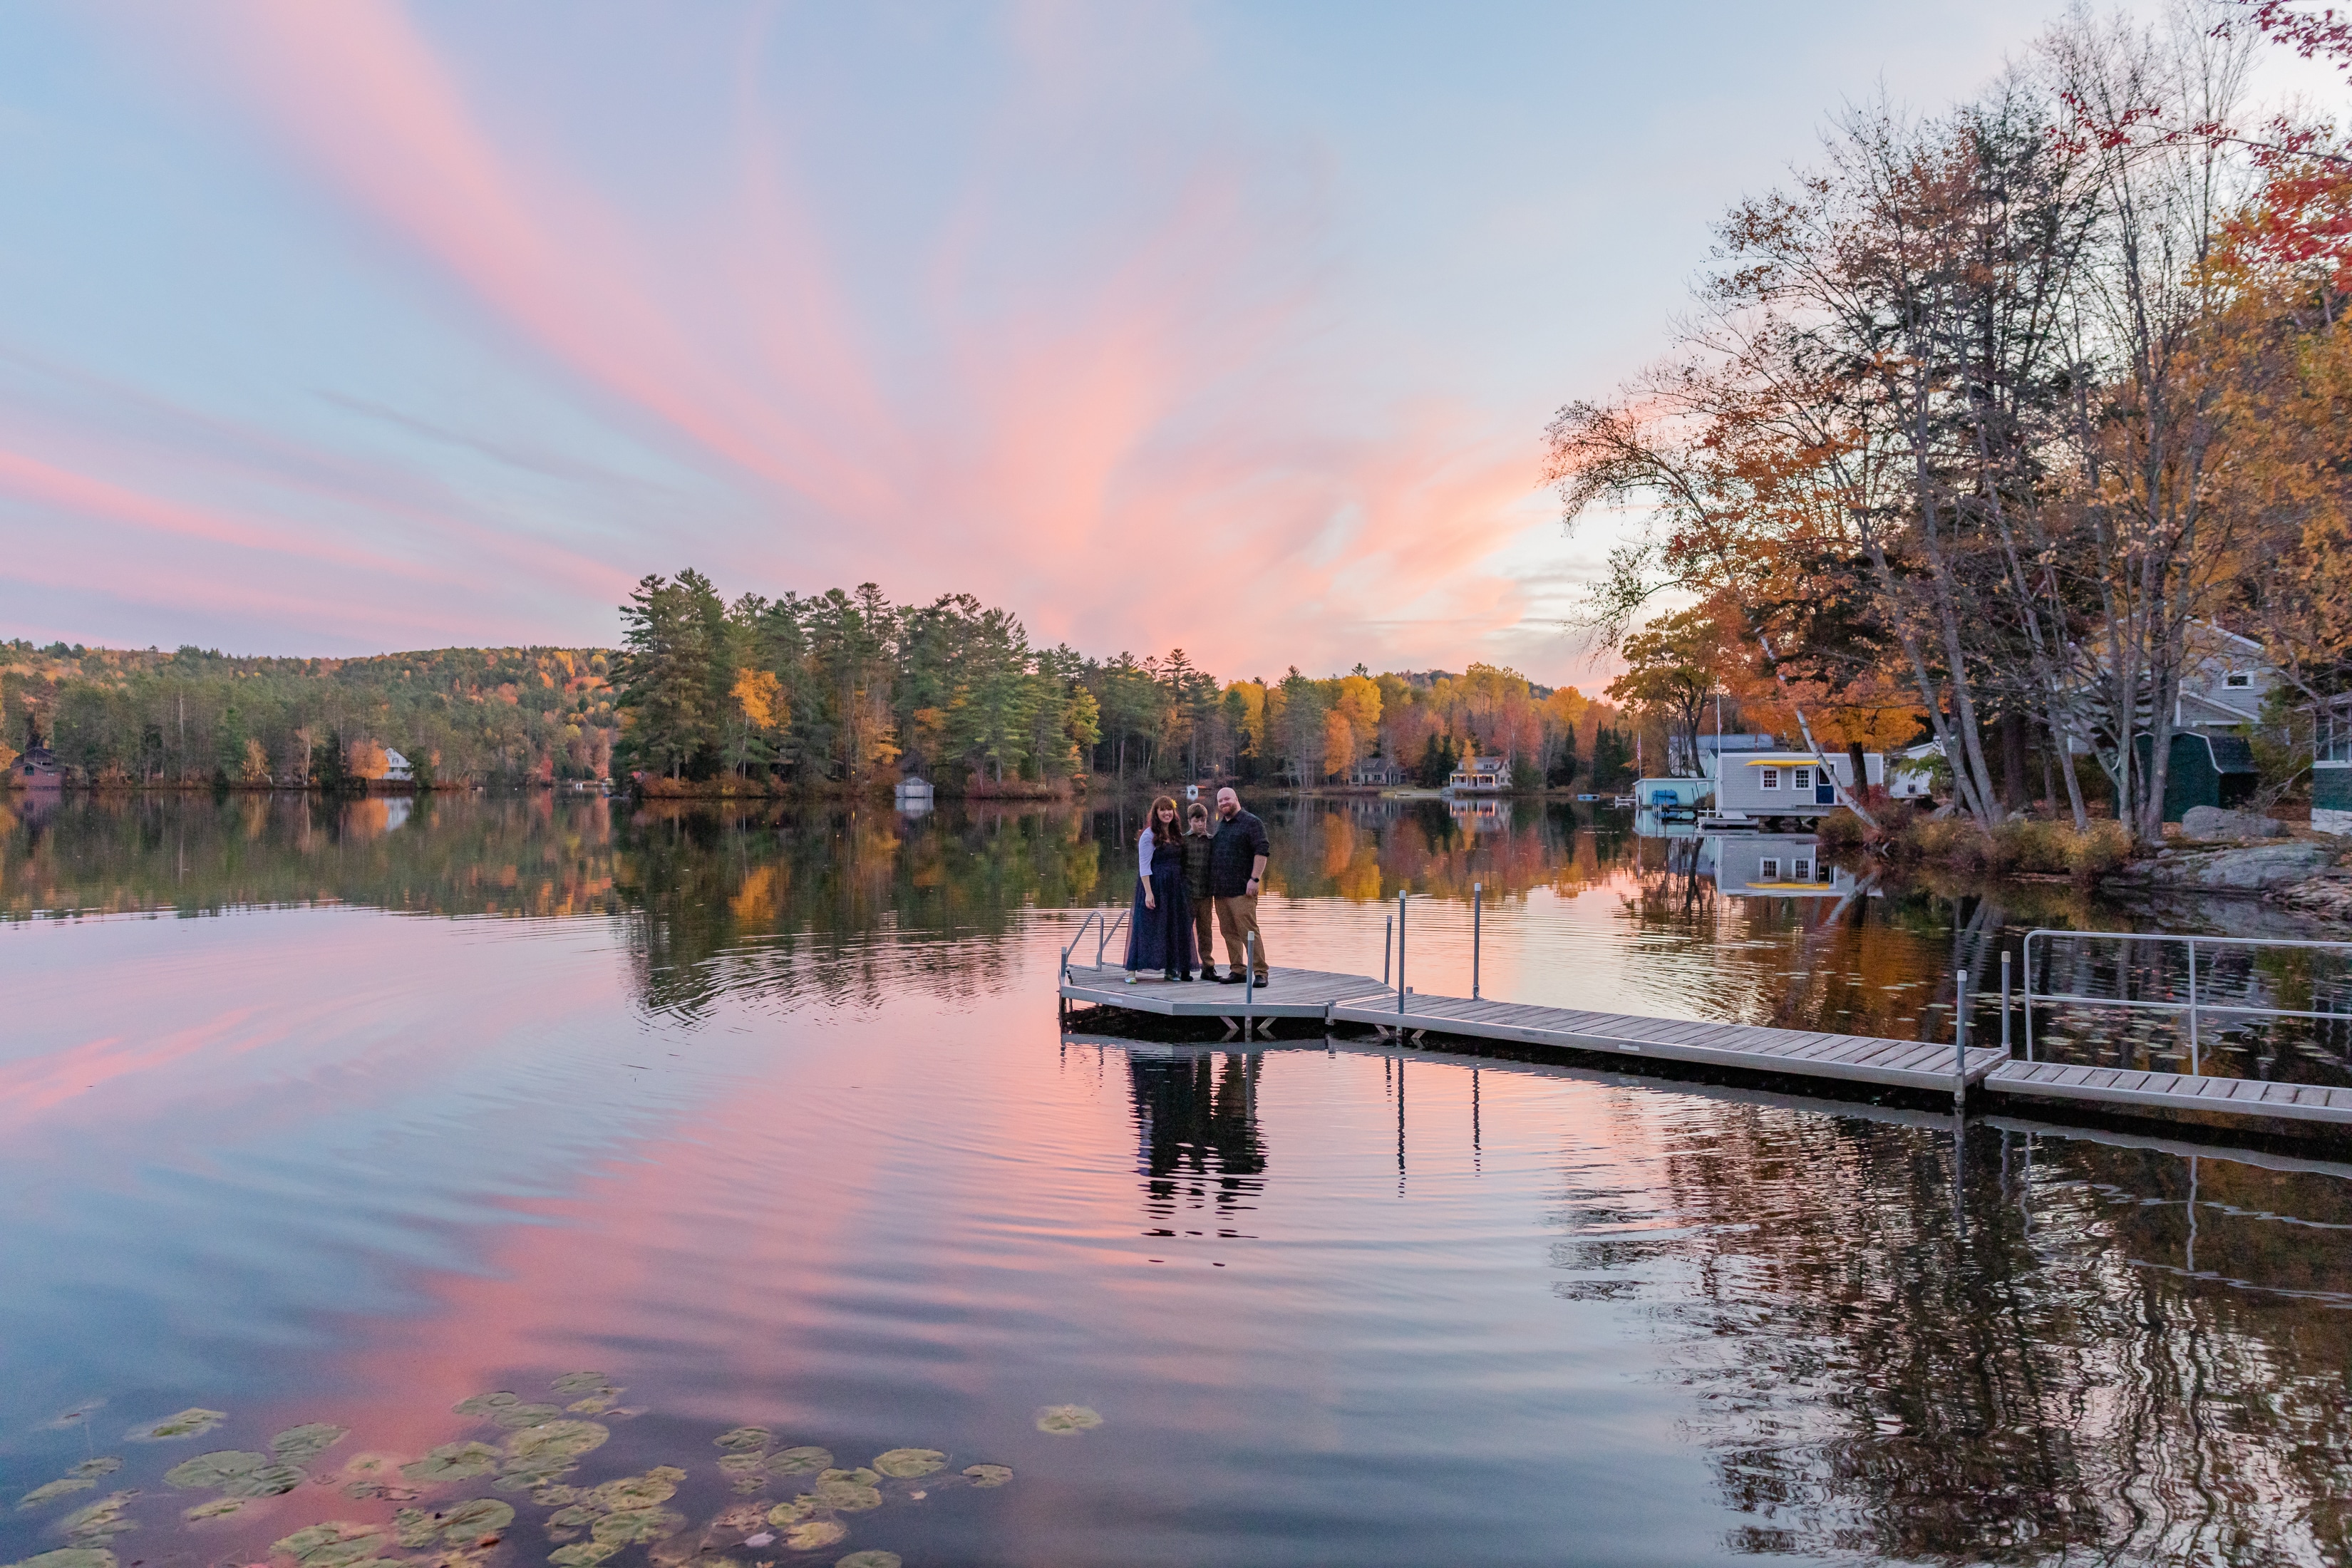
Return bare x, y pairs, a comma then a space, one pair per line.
839, 692
2012, 428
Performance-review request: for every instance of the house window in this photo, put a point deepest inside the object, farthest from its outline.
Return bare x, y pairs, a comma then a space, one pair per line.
1768, 778
1768, 869
1801, 779
2237, 678
1801, 871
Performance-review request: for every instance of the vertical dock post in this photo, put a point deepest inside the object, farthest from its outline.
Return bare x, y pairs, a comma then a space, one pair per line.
1960, 1042
1249, 984
1399, 918
1388, 947
2005, 1001
2192, 1007
1478, 902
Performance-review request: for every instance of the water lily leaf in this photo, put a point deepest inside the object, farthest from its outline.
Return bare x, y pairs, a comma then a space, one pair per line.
744, 1464
219, 1508
103, 1466
573, 1519
189, 1422
50, 1492
583, 1554
485, 1405
670, 1473
513, 1416
800, 1462
415, 1527
71, 1557
816, 1534
636, 1524
989, 1475
906, 1464
870, 1560
594, 1405
847, 1491
744, 1439
337, 1544
564, 1440
372, 1466
1066, 1420
557, 1497
101, 1520
212, 1472
483, 1516
632, 1491
300, 1445
785, 1514
584, 1383
452, 1462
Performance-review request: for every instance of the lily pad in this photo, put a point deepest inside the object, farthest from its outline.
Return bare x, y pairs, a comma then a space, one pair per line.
219, 1508
50, 1492
632, 1491
483, 1516
105, 1464
635, 1525
189, 1422
337, 1544
106, 1517
744, 1439
816, 1534
989, 1475
906, 1464
452, 1462
557, 1497
785, 1514
582, 1553
596, 1405
514, 1415
870, 1560
213, 1472
584, 1383
744, 1464
1067, 1420
564, 1440
566, 1522
415, 1527
71, 1557
300, 1445
847, 1491
800, 1462
485, 1405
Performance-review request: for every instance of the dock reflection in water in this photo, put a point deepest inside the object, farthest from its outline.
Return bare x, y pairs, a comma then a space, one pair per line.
763, 1114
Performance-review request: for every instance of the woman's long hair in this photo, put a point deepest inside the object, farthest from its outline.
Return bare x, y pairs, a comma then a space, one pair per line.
1152, 822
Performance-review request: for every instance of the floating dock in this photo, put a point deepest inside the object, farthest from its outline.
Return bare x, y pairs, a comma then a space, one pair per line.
1767, 1054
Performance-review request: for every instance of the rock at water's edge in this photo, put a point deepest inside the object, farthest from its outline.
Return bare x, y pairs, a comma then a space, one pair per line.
2212, 821
2257, 869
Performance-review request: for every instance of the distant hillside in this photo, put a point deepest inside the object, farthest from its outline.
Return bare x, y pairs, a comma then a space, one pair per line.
502, 715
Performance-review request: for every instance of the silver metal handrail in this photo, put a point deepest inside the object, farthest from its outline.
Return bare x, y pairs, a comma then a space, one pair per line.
1092, 916
2195, 1007
1110, 929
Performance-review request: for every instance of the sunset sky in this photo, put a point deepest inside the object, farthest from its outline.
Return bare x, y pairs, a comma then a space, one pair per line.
355, 327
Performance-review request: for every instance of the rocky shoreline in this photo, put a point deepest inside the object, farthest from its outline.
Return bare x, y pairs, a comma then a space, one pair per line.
2231, 854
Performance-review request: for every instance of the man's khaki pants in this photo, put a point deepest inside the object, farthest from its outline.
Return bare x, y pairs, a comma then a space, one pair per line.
1204, 929
1237, 918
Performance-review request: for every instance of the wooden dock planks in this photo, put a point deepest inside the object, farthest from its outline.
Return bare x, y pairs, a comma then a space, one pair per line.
2172, 1091
1767, 1052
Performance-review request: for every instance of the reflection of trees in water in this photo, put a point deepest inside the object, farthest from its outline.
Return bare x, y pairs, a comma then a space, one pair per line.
1196, 1113
2035, 1372
1369, 849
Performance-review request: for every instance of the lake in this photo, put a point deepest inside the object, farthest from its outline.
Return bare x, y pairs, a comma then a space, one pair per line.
706, 1158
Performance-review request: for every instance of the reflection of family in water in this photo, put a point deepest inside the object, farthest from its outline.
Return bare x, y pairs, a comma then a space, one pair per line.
1197, 1117
1183, 872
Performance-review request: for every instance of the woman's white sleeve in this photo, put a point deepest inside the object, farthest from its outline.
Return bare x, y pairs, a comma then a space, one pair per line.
1143, 855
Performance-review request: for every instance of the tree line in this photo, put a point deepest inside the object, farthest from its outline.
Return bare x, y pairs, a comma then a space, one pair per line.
844, 688
197, 717
1991, 428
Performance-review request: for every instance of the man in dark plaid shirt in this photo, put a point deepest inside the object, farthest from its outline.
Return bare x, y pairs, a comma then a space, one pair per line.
1237, 858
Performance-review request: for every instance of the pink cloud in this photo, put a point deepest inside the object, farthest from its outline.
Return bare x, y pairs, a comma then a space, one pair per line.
1028, 434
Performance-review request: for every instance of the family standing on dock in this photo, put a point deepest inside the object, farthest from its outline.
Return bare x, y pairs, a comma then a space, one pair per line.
1181, 875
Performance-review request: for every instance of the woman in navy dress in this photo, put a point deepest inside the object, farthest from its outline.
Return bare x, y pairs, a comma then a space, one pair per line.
1159, 926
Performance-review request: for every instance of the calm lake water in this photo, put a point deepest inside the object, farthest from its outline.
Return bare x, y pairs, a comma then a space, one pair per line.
351, 1115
